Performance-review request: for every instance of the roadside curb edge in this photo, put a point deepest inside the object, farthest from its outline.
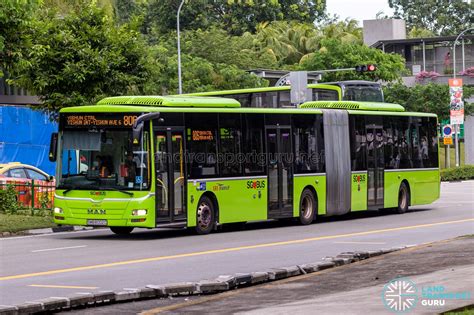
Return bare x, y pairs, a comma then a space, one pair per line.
220, 284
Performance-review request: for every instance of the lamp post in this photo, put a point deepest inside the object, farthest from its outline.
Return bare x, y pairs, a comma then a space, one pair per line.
456, 126
180, 86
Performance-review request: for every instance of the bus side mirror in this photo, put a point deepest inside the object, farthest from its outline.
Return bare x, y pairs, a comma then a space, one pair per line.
137, 133
53, 147
139, 124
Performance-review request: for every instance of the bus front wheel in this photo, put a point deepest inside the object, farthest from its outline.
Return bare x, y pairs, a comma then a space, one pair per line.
205, 216
121, 230
403, 199
307, 207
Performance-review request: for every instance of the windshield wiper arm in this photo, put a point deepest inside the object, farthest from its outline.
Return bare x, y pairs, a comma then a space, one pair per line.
69, 189
121, 190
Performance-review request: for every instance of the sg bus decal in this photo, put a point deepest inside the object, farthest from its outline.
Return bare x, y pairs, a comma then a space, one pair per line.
358, 179
255, 184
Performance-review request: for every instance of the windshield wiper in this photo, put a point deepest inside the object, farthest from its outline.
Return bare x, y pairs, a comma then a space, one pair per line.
120, 190
69, 189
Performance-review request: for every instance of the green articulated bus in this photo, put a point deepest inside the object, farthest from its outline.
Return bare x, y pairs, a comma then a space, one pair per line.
200, 162
279, 96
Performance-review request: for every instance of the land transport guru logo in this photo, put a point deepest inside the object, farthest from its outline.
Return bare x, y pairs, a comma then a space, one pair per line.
400, 295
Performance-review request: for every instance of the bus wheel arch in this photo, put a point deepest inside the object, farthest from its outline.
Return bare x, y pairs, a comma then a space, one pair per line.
404, 197
207, 213
308, 205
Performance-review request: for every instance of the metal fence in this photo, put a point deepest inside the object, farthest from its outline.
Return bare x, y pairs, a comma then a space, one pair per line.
29, 194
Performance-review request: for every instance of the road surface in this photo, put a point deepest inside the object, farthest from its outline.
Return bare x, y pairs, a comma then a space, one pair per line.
61, 264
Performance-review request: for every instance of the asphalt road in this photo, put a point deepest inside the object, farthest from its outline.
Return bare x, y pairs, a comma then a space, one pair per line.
62, 264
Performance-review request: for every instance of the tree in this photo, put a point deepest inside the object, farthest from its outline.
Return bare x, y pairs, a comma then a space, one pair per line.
235, 16
442, 17
199, 75
81, 57
218, 47
15, 22
334, 54
431, 98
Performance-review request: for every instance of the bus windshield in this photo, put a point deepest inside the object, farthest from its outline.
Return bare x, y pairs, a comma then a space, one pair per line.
103, 159
363, 93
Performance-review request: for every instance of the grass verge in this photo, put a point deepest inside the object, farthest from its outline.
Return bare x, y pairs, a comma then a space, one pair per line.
452, 153
15, 223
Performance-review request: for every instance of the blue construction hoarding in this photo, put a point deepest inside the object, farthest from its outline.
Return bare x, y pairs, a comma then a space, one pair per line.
24, 137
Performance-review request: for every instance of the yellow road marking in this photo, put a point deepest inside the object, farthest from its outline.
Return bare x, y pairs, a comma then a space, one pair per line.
224, 250
62, 286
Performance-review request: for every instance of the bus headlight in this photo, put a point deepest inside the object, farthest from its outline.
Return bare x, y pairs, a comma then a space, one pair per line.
58, 210
139, 212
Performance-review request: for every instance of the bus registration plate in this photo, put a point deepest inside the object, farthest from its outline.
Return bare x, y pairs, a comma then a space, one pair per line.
97, 222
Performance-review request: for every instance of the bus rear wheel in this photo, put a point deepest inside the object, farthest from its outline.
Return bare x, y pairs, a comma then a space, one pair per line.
205, 216
307, 207
403, 199
121, 230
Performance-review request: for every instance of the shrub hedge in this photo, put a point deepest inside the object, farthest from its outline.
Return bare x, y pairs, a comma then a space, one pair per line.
459, 173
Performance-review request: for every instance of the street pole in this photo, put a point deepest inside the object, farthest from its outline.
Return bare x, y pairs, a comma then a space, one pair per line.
180, 86
456, 126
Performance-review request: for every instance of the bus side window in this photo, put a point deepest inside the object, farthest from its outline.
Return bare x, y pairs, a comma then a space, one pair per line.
284, 99
254, 159
230, 136
202, 144
325, 95
358, 143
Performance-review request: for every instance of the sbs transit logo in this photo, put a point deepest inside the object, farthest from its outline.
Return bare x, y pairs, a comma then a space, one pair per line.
400, 295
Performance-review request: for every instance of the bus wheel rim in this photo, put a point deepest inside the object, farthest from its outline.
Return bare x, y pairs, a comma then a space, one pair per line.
204, 215
307, 207
403, 198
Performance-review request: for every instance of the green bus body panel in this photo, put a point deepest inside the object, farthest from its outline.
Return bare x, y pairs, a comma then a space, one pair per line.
352, 105
359, 191
241, 91
268, 89
283, 111
170, 101
318, 183
118, 207
239, 200
424, 186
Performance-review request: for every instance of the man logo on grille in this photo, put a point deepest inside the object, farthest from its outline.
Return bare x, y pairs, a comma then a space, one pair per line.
400, 295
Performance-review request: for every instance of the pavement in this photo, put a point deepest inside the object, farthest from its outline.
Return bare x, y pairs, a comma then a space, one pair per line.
351, 289
62, 264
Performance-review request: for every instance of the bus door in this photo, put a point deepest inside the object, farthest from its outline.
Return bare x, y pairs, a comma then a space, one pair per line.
375, 163
280, 172
170, 183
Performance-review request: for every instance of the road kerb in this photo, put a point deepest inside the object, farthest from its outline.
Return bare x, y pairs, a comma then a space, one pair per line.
220, 284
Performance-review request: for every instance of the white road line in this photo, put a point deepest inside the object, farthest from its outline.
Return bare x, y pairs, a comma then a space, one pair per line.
12, 238
365, 243
59, 248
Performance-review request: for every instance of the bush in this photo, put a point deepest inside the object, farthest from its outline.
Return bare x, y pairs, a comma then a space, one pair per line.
459, 173
8, 200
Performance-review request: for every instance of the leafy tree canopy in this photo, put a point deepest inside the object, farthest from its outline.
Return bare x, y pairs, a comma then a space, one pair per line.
334, 54
199, 74
235, 16
81, 57
442, 17
430, 98
15, 22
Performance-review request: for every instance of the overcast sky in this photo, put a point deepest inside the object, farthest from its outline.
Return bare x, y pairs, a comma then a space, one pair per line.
358, 9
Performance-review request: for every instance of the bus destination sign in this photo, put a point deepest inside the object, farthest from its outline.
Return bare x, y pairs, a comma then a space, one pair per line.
91, 120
